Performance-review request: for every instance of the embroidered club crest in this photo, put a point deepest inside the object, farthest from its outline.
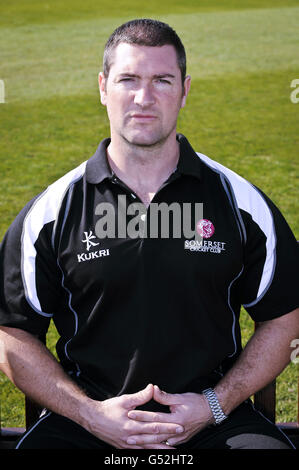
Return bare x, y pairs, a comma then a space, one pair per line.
205, 228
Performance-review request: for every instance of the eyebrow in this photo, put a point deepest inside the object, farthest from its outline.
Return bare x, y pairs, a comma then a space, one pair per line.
160, 75
164, 75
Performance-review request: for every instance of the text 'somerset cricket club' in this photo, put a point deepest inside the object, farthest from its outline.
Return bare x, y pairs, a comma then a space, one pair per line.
205, 229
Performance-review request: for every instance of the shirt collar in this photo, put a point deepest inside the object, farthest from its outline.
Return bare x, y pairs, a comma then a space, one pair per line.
189, 162
98, 169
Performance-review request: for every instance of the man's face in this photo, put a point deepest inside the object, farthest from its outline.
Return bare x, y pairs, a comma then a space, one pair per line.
143, 93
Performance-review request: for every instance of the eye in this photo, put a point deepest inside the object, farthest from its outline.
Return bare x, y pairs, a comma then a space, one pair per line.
125, 79
163, 81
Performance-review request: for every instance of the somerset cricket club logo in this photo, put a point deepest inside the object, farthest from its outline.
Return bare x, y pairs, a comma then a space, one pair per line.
90, 244
205, 228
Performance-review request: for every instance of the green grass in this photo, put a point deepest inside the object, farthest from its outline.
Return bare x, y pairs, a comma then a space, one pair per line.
20, 12
242, 57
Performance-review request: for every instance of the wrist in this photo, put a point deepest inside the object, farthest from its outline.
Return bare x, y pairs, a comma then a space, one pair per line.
227, 398
87, 409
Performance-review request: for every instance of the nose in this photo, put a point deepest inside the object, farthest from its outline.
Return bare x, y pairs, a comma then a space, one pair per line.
144, 96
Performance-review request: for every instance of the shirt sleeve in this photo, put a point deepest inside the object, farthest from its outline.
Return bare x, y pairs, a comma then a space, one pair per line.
29, 276
268, 287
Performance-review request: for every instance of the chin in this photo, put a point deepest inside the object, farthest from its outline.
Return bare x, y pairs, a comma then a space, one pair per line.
141, 140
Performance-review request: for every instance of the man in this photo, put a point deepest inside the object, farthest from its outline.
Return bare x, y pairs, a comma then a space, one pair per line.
149, 348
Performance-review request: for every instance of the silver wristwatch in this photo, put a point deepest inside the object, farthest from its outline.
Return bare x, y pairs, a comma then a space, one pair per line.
217, 411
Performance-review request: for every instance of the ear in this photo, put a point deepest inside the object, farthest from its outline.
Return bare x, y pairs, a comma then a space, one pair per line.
187, 84
102, 88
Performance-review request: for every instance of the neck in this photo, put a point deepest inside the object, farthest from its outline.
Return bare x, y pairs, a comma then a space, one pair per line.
143, 169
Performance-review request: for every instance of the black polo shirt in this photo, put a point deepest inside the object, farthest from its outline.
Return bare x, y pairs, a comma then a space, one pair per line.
150, 308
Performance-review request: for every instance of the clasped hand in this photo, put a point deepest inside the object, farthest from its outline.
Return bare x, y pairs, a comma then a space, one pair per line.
122, 426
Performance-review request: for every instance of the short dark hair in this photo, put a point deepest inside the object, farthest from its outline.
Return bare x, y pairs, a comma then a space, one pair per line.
145, 32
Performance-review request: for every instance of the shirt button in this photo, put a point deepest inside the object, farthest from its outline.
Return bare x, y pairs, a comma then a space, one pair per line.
142, 217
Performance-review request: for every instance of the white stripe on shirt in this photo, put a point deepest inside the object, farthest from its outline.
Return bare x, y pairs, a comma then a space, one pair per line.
249, 199
44, 210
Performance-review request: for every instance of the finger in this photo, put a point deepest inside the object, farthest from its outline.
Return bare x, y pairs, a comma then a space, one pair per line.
173, 441
138, 398
157, 446
150, 416
141, 439
156, 428
129, 447
166, 398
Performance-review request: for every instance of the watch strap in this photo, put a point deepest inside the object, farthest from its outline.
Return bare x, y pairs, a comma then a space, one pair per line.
217, 411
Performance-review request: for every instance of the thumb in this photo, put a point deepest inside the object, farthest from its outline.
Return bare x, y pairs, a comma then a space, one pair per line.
139, 398
165, 398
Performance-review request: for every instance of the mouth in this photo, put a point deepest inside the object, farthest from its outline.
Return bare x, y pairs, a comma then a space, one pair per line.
143, 117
